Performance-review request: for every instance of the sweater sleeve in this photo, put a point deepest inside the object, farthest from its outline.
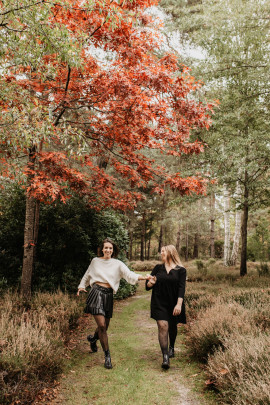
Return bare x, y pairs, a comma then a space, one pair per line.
85, 281
153, 273
128, 275
182, 282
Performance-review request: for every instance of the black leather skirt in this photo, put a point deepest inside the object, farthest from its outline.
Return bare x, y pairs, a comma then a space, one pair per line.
100, 301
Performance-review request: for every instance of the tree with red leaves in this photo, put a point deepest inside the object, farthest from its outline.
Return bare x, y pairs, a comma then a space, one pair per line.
81, 115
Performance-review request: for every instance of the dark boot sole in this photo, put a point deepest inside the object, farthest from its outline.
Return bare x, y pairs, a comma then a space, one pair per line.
165, 366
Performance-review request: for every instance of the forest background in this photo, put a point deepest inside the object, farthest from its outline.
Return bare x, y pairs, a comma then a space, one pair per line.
148, 125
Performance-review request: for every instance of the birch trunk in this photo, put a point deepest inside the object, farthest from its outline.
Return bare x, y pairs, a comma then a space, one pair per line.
227, 233
237, 231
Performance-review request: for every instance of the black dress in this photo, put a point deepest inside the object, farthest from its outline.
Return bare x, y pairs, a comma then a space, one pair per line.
168, 288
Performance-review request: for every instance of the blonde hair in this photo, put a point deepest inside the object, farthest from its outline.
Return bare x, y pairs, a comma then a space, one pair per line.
172, 255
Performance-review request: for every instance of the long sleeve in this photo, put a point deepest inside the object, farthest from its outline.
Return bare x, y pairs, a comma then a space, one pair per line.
129, 276
153, 273
85, 281
182, 282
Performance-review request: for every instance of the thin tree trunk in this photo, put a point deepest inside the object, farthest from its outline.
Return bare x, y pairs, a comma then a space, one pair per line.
145, 245
29, 247
237, 230
148, 248
30, 235
196, 246
142, 238
130, 245
178, 236
212, 224
243, 265
160, 239
226, 226
186, 253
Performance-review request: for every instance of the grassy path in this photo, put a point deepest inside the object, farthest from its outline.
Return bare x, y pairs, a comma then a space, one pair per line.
136, 377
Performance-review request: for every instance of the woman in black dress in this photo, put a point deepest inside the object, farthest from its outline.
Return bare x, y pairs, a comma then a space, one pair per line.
168, 281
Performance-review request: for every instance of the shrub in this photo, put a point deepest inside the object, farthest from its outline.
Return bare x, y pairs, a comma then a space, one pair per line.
146, 265
211, 261
214, 325
125, 290
202, 269
241, 372
196, 302
69, 235
263, 269
31, 343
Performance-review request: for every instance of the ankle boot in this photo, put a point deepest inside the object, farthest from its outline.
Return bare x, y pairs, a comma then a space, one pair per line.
171, 352
93, 343
166, 362
108, 361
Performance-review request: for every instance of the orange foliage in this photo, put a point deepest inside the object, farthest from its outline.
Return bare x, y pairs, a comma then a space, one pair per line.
133, 102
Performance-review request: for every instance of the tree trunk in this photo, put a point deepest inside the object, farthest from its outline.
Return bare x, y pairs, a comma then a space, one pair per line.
29, 248
148, 248
145, 245
212, 224
196, 246
160, 239
130, 245
177, 244
142, 238
227, 228
243, 265
186, 253
237, 231
30, 235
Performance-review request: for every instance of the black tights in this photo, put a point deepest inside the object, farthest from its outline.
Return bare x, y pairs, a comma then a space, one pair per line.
166, 330
101, 331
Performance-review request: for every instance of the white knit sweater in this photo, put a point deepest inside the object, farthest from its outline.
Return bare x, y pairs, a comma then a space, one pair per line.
107, 271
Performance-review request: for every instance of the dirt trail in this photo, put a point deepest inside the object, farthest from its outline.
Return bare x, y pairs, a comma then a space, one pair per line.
135, 351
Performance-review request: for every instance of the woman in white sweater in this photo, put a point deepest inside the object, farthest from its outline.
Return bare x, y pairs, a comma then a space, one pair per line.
103, 275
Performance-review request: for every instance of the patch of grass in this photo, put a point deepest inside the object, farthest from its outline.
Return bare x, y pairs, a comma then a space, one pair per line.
136, 376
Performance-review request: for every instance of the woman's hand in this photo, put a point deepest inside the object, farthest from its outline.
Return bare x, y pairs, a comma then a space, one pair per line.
147, 277
177, 310
81, 289
151, 281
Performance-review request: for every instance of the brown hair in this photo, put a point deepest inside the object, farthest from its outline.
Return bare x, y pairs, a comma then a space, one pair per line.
172, 254
115, 247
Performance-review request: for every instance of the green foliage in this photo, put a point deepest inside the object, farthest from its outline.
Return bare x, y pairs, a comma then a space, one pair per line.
69, 236
259, 240
201, 266
125, 290
263, 269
